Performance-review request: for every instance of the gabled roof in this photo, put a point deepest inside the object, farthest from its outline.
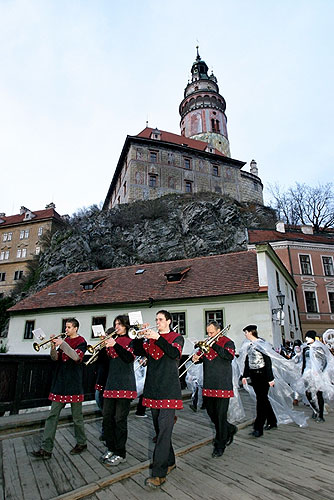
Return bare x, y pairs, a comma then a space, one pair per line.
270, 235
39, 215
181, 140
232, 273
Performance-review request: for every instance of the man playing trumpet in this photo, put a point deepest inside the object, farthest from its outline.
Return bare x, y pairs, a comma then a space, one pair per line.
66, 387
218, 386
162, 390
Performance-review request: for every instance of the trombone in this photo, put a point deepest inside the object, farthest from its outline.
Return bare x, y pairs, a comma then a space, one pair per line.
204, 346
37, 346
95, 349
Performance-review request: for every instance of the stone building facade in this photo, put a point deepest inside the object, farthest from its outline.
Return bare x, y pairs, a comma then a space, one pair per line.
156, 162
21, 240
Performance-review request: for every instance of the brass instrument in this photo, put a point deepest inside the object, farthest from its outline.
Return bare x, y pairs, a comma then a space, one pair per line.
95, 349
204, 346
138, 333
37, 346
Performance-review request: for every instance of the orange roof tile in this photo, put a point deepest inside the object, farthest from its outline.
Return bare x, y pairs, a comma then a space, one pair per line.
232, 273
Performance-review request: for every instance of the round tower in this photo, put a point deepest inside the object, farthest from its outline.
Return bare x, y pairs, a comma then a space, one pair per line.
203, 109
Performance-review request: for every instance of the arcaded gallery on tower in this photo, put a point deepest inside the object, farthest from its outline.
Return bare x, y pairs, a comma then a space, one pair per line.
155, 162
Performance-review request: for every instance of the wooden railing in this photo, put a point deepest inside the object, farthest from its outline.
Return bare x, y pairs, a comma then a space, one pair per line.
25, 381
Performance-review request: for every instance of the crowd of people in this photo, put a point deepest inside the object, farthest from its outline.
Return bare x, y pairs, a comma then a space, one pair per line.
147, 367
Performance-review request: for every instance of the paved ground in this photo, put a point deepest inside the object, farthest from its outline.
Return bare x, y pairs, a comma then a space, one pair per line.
289, 463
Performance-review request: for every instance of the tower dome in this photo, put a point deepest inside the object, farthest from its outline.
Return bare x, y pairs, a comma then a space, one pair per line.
203, 109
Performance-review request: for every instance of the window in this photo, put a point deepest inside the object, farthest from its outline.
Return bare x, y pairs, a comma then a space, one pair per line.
6, 254
24, 253
294, 318
311, 302
9, 237
153, 157
99, 320
152, 180
179, 319
328, 266
124, 188
29, 327
290, 318
214, 316
187, 163
40, 231
26, 233
278, 286
177, 274
2, 276
18, 253
305, 264
18, 275
188, 187
4, 236
215, 170
331, 301
2, 255
37, 250
21, 234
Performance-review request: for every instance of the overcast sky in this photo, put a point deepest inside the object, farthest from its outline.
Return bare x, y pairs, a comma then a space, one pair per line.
77, 76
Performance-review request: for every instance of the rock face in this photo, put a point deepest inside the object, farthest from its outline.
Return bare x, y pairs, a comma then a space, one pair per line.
169, 228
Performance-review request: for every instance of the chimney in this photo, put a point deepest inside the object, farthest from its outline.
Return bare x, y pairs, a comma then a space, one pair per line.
23, 210
306, 229
253, 168
2, 214
280, 226
50, 205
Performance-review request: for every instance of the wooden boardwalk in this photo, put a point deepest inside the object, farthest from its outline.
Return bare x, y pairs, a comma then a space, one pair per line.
289, 463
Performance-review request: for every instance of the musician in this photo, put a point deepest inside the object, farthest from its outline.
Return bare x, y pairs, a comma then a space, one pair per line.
218, 386
119, 391
162, 390
66, 387
258, 367
101, 370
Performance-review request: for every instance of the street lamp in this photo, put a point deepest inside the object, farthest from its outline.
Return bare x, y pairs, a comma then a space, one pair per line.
280, 299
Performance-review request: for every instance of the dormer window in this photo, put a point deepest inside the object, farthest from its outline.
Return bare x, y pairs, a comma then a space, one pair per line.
92, 284
177, 274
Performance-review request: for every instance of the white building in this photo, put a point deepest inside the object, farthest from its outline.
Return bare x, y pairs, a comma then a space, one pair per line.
236, 288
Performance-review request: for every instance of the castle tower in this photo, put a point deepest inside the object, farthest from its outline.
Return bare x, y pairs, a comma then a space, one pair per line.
203, 109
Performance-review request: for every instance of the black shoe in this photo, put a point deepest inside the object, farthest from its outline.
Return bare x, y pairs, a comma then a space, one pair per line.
41, 454
314, 415
231, 435
320, 419
256, 434
78, 448
217, 452
269, 427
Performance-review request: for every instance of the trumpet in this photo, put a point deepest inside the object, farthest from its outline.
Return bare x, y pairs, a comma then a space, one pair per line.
204, 346
135, 333
37, 346
95, 349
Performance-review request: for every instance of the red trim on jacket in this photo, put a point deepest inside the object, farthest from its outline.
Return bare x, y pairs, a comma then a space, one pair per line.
77, 398
120, 394
99, 387
163, 403
217, 393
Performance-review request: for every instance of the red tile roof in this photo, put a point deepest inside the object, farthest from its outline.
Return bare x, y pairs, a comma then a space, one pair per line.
39, 215
178, 139
233, 273
267, 235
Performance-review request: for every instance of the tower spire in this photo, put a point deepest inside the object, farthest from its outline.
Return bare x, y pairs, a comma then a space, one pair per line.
203, 109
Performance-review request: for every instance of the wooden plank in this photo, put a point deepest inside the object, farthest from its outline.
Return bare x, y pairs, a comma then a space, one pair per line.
12, 486
1, 476
29, 488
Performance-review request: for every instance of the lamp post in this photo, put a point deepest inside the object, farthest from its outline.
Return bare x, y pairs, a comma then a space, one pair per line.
281, 300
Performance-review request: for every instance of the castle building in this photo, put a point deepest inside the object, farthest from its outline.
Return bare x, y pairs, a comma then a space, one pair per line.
21, 240
155, 162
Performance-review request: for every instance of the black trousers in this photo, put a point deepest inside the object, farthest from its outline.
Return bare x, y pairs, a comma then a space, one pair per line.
141, 409
115, 424
163, 455
264, 411
217, 410
320, 398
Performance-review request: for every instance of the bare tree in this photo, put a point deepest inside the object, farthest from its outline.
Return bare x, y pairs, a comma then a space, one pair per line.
304, 204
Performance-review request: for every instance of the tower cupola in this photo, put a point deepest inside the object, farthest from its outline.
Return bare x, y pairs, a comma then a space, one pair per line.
203, 109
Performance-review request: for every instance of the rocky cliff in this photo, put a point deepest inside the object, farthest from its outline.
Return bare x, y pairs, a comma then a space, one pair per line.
169, 228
